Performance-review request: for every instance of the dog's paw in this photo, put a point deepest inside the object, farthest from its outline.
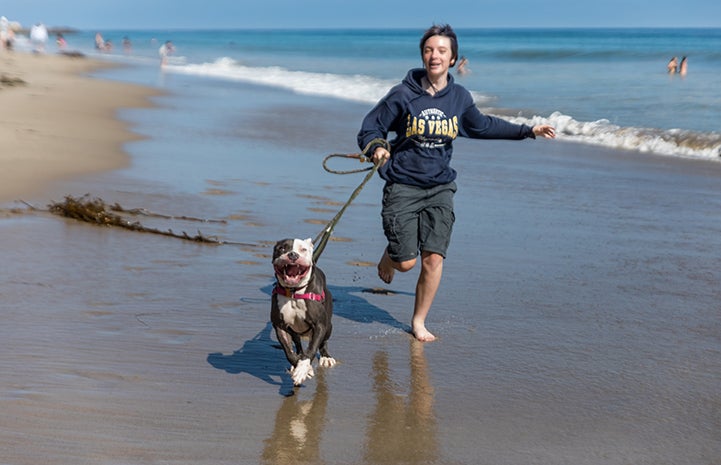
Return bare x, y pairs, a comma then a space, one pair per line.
301, 372
327, 362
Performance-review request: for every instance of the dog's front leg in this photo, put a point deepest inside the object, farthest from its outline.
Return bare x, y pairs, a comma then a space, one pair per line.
286, 341
304, 369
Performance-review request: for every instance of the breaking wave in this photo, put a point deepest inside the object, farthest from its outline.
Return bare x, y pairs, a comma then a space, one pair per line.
367, 89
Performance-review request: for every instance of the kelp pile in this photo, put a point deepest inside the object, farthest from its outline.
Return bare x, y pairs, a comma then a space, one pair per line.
96, 211
10, 81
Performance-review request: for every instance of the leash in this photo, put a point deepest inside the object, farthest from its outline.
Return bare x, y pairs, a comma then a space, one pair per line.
322, 239
357, 156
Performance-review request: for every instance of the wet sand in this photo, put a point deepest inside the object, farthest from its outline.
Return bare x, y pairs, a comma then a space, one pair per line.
578, 319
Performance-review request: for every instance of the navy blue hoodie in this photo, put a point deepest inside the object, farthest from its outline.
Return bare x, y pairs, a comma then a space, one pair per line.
425, 127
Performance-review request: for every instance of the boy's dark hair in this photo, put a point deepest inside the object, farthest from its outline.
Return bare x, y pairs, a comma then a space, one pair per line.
444, 30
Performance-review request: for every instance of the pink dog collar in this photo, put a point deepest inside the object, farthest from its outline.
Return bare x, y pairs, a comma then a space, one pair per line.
280, 290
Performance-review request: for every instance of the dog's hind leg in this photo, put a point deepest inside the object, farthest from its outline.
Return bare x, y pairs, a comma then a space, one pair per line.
304, 369
325, 359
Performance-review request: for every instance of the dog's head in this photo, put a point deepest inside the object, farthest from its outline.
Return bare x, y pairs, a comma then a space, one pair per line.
293, 262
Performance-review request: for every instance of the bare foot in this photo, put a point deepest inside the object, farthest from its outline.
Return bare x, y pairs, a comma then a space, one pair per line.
385, 268
422, 334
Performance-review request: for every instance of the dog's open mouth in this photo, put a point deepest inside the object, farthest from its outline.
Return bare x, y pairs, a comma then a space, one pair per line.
291, 273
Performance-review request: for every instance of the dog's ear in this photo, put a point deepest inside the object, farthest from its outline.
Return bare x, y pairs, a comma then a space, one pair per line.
309, 243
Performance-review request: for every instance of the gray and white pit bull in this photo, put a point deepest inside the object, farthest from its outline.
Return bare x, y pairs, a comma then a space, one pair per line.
301, 307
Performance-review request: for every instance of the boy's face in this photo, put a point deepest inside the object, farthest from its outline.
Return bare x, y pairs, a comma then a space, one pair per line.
437, 56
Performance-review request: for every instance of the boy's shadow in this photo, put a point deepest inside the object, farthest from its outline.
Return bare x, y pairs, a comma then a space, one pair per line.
263, 357
347, 303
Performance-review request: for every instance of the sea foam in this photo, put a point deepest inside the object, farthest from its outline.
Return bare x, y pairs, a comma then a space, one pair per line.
367, 89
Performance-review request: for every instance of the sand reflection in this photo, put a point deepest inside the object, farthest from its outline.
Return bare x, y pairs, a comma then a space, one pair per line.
402, 428
298, 428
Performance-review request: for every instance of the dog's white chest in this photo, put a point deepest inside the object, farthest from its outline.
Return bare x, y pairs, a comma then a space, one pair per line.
293, 312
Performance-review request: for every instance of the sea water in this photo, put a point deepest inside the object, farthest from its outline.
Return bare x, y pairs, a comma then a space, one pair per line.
608, 87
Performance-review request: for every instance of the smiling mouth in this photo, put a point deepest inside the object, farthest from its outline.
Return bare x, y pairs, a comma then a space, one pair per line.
291, 273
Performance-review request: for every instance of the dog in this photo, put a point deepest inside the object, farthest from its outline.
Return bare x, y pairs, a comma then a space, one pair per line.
301, 307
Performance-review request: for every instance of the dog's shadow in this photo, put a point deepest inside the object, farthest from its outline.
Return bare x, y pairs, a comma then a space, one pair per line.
262, 357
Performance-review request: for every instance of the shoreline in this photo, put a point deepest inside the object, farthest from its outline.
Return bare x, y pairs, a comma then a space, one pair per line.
58, 123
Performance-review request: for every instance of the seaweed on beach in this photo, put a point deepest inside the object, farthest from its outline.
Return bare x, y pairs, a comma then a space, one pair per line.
10, 81
96, 211
72, 54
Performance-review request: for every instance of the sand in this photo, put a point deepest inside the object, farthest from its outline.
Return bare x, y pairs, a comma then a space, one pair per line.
56, 122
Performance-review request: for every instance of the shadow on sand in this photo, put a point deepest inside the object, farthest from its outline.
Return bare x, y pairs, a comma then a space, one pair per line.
262, 357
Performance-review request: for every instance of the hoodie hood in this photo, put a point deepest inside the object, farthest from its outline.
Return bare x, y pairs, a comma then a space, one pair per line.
413, 82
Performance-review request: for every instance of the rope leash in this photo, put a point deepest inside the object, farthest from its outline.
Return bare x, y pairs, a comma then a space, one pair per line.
357, 156
322, 239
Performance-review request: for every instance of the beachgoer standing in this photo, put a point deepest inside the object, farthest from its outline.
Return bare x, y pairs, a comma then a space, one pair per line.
462, 66
4, 28
38, 37
99, 42
683, 67
127, 45
164, 51
426, 111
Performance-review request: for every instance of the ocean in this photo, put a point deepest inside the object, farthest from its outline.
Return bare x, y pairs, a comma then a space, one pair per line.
600, 86
578, 317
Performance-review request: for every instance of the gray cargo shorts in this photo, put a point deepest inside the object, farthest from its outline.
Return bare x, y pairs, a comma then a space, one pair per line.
417, 219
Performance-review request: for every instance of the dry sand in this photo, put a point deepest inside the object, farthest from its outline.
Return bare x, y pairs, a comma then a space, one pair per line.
55, 122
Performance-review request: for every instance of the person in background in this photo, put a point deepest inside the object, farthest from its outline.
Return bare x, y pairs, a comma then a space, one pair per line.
164, 51
60, 41
38, 37
426, 111
462, 66
671, 66
127, 45
683, 67
99, 42
4, 31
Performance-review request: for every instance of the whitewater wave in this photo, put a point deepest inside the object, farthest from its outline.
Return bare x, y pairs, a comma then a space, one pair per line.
673, 142
356, 88
366, 89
